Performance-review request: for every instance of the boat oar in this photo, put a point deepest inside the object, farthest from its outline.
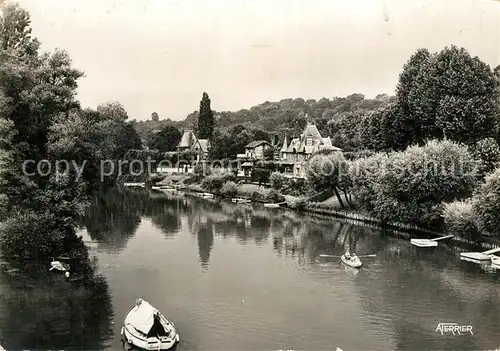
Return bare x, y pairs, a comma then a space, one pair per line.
372, 255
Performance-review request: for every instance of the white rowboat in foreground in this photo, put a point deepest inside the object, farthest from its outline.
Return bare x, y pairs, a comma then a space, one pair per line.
145, 327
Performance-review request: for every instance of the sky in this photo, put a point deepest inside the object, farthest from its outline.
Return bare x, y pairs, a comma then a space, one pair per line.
161, 55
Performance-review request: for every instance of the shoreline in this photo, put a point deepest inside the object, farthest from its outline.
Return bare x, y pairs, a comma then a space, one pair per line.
357, 218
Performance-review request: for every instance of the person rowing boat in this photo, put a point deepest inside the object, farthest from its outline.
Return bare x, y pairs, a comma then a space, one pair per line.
351, 260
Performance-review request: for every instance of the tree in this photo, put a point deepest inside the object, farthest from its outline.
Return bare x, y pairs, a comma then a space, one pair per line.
206, 121
459, 219
329, 173
154, 117
407, 77
167, 139
364, 174
15, 31
269, 154
487, 152
486, 204
414, 183
454, 95
113, 110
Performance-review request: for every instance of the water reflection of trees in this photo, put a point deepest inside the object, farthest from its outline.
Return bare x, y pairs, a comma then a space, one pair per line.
166, 212
114, 216
47, 311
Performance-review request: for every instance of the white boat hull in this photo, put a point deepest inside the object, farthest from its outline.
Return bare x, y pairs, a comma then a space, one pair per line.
423, 242
149, 343
271, 205
351, 263
146, 328
476, 256
495, 260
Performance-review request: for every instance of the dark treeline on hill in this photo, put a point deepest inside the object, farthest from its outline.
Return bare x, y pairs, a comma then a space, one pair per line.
338, 118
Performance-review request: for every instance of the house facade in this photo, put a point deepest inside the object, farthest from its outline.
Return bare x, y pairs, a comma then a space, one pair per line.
256, 150
295, 153
189, 142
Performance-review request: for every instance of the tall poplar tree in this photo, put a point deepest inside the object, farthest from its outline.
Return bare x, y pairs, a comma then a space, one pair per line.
206, 121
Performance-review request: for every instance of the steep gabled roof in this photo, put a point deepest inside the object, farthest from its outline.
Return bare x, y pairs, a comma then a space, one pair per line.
285, 144
293, 145
188, 139
204, 144
257, 143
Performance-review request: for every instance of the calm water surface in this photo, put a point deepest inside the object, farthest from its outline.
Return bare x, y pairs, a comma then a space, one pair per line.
241, 277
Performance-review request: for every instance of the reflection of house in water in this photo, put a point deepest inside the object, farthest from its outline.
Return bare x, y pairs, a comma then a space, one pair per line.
205, 243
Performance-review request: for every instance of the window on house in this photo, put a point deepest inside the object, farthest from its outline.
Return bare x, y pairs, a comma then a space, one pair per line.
309, 141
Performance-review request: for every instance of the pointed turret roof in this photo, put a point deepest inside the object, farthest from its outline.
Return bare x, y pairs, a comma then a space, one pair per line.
188, 139
285, 144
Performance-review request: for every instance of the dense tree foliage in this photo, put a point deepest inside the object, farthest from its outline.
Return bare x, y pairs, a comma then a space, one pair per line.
232, 141
410, 186
486, 204
487, 152
329, 172
454, 95
166, 139
40, 119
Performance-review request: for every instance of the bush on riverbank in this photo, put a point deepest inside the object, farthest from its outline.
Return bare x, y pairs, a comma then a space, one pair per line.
287, 185
487, 152
214, 183
459, 219
32, 236
410, 186
266, 195
229, 190
486, 204
278, 181
298, 204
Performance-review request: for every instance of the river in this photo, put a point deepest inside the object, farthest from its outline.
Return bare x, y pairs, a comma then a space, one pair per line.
242, 277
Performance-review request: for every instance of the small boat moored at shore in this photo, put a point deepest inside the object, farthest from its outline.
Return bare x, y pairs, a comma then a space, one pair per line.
423, 242
479, 257
351, 261
59, 266
240, 201
146, 328
141, 185
495, 260
271, 205
208, 195
428, 242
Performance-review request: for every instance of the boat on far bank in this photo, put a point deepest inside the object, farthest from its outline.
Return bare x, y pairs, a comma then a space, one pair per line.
146, 328
59, 266
240, 201
140, 185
